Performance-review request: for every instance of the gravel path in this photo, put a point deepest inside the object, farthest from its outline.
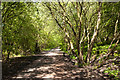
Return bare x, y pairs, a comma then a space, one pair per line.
52, 65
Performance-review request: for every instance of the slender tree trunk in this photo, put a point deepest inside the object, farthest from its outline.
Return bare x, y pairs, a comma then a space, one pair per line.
110, 51
70, 43
8, 55
117, 35
79, 14
66, 33
94, 35
107, 38
115, 32
88, 41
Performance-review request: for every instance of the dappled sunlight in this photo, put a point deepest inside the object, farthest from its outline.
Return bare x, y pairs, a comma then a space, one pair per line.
49, 66
40, 75
34, 35
44, 68
59, 64
29, 70
49, 75
56, 49
52, 54
55, 67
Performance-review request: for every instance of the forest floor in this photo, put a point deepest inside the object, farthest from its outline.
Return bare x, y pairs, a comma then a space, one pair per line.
49, 65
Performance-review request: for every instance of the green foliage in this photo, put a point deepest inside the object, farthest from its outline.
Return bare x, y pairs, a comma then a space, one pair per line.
112, 73
18, 31
103, 49
25, 28
73, 57
116, 54
28, 24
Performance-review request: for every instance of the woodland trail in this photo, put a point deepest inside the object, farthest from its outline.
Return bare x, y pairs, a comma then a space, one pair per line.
52, 65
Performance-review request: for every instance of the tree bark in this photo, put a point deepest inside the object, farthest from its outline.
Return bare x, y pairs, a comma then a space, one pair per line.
63, 28
115, 32
79, 14
95, 34
108, 53
112, 50
8, 55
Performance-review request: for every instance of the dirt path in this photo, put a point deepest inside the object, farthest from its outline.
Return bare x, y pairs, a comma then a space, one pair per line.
52, 65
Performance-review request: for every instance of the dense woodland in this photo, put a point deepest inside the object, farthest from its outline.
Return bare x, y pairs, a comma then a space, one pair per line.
89, 32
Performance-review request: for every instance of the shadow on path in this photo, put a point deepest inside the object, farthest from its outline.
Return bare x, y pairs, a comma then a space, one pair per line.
49, 65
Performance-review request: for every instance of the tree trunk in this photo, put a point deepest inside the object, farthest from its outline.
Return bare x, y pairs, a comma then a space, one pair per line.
94, 35
37, 48
107, 38
79, 14
108, 53
112, 50
8, 55
115, 32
